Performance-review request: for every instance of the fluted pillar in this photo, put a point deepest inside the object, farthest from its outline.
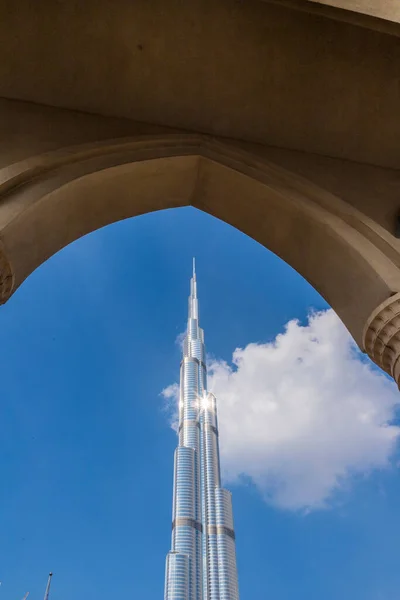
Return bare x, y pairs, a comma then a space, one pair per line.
382, 336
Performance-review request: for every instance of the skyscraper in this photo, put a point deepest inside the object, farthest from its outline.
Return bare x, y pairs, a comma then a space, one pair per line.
202, 562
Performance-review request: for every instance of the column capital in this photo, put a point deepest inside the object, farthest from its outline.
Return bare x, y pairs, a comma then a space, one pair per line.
381, 337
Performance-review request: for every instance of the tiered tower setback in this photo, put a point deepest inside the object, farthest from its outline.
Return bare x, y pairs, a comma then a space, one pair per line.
202, 562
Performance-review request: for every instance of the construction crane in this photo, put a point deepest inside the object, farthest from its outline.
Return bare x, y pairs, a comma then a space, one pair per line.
47, 593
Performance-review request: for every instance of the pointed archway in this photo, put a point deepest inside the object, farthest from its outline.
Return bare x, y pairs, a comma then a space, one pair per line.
50, 200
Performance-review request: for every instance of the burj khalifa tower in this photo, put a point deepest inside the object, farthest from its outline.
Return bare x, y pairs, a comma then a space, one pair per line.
202, 562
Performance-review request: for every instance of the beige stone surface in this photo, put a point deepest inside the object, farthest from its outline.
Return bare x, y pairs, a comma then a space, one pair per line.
375, 191
249, 70
28, 129
376, 15
383, 9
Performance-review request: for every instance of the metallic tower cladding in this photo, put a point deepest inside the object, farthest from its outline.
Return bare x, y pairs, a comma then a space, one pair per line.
202, 562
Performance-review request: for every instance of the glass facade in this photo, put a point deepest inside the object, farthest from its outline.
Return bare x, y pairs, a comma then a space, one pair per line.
202, 562
177, 576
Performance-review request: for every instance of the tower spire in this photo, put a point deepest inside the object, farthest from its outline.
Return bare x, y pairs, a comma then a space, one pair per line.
47, 593
193, 301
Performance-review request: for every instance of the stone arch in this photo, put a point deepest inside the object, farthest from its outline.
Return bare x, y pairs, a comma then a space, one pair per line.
50, 200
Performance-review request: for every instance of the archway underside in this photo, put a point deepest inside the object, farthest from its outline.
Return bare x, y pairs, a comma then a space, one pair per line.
50, 200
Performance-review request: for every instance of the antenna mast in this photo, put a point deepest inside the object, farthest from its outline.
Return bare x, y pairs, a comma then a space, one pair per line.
47, 593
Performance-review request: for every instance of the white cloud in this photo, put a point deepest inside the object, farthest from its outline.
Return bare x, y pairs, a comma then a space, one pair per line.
180, 339
301, 415
171, 399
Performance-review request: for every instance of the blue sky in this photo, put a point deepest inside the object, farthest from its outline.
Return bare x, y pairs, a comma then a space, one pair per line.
88, 345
